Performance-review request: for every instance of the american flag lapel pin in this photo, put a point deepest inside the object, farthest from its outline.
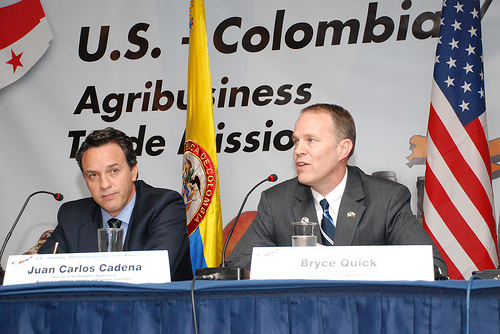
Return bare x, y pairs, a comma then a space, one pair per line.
351, 214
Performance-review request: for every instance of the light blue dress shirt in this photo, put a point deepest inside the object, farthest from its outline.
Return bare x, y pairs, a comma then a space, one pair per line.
124, 216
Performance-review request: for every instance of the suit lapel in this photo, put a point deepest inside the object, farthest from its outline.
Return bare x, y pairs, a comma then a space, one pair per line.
133, 237
305, 204
87, 234
350, 210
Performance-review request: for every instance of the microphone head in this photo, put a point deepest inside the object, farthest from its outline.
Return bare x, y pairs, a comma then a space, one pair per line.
58, 197
272, 178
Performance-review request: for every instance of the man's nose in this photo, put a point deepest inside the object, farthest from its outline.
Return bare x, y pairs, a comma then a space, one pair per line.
104, 182
299, 148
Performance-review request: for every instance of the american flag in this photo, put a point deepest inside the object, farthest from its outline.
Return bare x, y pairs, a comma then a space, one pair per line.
458, 200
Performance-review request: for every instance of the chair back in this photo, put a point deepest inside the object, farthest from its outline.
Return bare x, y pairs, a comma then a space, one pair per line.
246, 218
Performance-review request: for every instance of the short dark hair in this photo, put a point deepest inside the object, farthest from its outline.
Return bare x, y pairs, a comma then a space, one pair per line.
105, 136
342, 121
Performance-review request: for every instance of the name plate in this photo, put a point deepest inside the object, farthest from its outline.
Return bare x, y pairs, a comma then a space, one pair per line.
130, 267
358, 263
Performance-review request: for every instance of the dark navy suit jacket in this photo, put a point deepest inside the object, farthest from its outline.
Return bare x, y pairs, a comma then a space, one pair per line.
158, 222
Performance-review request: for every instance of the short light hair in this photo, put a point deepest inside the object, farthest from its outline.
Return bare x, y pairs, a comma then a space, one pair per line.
342, 121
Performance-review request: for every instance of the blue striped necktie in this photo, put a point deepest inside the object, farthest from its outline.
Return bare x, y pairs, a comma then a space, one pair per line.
327, 222
114, 223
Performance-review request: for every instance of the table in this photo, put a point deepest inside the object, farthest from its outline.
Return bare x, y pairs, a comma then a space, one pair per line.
251, 306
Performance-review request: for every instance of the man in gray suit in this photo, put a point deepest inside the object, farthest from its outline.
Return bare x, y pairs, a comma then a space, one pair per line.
359, 209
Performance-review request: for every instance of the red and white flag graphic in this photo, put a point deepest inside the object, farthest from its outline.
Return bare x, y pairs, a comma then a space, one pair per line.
24, 37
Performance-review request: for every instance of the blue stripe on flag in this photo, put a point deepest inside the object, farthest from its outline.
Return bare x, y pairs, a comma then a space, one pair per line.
196, 250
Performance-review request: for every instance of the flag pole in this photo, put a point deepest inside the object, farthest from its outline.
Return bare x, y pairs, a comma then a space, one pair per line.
484, 7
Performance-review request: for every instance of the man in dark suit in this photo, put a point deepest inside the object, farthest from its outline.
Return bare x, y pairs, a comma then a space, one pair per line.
363, 210
152, 218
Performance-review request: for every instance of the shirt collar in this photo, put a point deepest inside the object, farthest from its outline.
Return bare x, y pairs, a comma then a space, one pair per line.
124, 215
333, 197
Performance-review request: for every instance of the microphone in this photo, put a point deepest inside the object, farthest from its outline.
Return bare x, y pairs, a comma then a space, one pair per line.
223, 272
270, 178
57, 196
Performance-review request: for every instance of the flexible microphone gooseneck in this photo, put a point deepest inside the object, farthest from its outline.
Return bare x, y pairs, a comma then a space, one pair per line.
270, 178
57, 197
223, 272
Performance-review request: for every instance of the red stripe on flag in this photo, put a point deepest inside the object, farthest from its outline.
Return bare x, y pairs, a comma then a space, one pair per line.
452, 268
463, 173
455, 222
476, 133
478, 137
19, 19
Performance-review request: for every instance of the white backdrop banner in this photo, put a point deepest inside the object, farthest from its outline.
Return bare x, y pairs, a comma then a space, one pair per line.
123, 63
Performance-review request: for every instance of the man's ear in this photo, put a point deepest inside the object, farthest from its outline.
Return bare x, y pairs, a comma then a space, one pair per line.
345, 147
135, 173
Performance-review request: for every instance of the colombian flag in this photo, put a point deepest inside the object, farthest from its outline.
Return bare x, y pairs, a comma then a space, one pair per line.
200, 175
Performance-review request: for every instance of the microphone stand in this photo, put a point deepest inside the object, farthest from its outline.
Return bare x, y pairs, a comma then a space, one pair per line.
224, 263
224, 272
57, 197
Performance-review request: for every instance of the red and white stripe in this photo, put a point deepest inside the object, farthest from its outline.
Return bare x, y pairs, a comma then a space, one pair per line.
458, 199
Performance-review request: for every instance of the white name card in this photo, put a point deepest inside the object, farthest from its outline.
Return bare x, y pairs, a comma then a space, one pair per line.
358, 263
130, 267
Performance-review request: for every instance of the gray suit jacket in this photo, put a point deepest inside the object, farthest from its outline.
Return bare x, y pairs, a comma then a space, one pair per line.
382, 216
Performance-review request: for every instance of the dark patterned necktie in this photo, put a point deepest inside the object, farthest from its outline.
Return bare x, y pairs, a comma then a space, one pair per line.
114, 223
327, 223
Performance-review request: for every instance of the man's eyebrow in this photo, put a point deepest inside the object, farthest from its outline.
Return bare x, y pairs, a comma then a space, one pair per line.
305, 135
89, 171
